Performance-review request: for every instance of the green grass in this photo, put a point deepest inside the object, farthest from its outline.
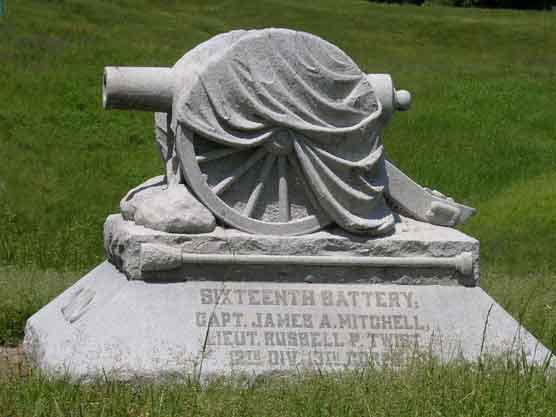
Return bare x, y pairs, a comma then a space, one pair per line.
23, 294
482, 129
425, 388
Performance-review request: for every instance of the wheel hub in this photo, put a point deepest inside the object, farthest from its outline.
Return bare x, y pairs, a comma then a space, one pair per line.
281, 142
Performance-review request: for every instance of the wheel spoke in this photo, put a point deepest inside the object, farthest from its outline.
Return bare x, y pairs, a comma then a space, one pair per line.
217, 154
254, 197
283, 197
299, 173
242, 169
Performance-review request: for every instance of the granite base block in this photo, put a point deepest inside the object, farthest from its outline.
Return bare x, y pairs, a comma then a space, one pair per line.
123, 241
107, 324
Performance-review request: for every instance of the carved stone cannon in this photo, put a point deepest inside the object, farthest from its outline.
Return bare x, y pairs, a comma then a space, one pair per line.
279, 132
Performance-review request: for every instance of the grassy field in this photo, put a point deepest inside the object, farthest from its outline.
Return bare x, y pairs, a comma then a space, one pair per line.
482, 129
423, 389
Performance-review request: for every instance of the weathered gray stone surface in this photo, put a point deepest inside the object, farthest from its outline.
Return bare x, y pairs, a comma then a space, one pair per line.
137, 195
409, 198
123, 241
171, 209
107, 324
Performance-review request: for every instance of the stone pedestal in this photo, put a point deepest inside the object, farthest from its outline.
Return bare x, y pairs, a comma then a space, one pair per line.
127, 245
160, 309
106, 323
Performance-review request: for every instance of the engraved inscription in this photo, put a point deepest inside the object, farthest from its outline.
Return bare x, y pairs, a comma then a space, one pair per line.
287, 328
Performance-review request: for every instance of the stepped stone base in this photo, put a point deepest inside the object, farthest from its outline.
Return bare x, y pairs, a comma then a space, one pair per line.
107, 324
123, 241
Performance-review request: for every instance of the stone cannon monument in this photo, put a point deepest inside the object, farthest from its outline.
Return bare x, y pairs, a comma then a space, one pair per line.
279, 236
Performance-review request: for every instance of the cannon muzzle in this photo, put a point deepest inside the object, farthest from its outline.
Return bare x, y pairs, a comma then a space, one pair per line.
390, 98
138, 88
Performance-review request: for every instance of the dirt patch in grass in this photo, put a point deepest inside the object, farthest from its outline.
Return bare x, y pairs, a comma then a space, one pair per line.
12, 360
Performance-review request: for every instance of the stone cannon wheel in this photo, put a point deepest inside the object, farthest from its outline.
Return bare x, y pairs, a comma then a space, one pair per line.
259, 190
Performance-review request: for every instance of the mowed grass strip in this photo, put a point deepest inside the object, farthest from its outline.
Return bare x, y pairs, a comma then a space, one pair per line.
425, 388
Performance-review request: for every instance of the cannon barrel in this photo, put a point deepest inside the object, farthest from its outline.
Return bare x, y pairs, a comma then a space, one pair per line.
138, 88
152, 89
